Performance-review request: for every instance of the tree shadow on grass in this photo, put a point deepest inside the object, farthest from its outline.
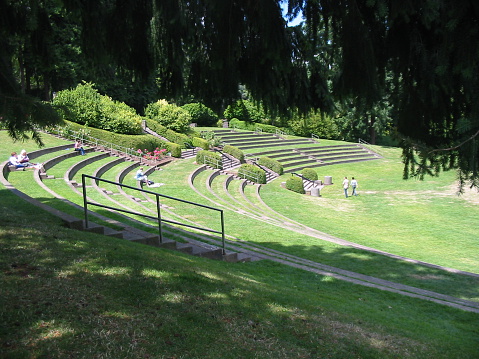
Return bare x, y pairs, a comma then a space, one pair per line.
71, 295
442, 281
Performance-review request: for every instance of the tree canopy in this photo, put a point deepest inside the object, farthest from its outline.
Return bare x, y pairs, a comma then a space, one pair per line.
347, 50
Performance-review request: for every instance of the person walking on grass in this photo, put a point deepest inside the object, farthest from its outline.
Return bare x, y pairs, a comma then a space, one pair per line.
346, 186
354, 185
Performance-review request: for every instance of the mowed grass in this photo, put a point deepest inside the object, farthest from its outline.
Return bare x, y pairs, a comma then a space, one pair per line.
424, 220
73, 294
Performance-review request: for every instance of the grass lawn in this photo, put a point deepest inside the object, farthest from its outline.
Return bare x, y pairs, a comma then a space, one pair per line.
65, 293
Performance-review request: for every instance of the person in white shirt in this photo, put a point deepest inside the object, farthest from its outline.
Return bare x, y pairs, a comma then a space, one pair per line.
25, 160
14, 161
354, 185
346, 186
140, 176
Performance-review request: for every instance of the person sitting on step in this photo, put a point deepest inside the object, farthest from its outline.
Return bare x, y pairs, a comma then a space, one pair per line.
25, 160
13, 161
140, 176
79, 147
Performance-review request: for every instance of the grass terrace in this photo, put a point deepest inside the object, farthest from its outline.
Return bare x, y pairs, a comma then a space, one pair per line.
75, 294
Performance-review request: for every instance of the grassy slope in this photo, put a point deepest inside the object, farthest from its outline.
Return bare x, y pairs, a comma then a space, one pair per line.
71, 294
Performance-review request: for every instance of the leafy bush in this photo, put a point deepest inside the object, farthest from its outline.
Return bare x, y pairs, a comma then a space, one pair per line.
244, 110
252, 173
319, 124
200, 142
295, 184
212, 139
200, 114
235, 152
119, 117
272, 164
85, 106
80, 105
203, 156
310, 174
169, 115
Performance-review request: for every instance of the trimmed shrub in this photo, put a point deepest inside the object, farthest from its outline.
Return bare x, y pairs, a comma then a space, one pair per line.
202, 158
310, 174
295, 184
252, 173
200, 142
129, 141
155, 126
169, 115
272, 164
119, 117
170, 135
175, 137
200, 114
174, 149
235, 152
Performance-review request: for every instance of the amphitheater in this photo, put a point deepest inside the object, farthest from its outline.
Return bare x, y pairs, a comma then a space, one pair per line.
98, 193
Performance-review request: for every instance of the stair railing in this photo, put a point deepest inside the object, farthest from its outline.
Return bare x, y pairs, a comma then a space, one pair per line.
213, 162
313, 183
97, 142
248, 175
367, 145
158, 217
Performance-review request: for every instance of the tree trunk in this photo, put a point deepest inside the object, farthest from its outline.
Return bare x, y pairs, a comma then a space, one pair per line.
372, 131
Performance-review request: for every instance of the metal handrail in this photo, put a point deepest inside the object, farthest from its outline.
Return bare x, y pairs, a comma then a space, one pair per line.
251, 176
97, 142
315, 136
303, 178
278, 132
213, 162
367, 144
160, 220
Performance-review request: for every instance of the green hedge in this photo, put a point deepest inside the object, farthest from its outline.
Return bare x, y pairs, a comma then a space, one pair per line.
129, 141
200, 142
200, 158
235, 152
174, 149
295, 184
252, 173
271, 164
310, 174
170, 135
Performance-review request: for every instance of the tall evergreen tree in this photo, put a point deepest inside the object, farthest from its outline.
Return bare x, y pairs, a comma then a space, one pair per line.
205, 48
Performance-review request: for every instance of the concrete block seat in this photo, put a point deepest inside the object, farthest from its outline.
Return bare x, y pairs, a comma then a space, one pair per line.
243, 143
277, 143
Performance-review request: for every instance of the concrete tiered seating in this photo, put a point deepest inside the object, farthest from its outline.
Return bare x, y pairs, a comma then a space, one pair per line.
126, 232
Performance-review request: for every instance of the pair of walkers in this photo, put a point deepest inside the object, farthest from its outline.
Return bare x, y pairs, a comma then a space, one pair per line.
354, 185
